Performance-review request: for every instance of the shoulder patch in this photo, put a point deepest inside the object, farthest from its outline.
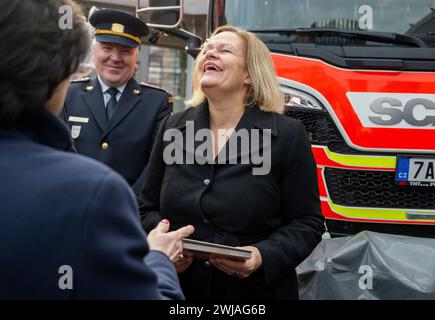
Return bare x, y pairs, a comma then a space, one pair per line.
82, 79
144, 84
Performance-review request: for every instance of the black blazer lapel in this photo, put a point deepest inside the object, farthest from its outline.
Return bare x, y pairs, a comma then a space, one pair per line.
186, 137
193, 141
93, 98
252, 119
129, 99
202, 143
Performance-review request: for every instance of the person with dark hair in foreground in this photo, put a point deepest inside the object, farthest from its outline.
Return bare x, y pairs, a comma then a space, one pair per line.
69, 226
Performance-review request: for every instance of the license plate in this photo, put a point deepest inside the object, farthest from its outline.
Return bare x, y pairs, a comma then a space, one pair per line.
415, 172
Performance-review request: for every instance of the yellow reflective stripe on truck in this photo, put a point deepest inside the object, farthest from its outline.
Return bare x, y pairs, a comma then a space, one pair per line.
387, 162
375, 213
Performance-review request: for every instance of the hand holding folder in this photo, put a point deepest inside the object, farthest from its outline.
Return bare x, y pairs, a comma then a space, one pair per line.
201, 250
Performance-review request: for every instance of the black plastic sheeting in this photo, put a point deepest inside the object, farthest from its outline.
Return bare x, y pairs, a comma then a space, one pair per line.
369, 266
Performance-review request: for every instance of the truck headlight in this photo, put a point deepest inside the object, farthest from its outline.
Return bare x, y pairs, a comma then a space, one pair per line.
301, 100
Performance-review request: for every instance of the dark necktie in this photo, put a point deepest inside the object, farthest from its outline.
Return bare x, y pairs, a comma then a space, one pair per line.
111, 104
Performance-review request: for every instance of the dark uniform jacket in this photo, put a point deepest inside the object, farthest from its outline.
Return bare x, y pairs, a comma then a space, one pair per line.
279, 213
125, 142
61, 212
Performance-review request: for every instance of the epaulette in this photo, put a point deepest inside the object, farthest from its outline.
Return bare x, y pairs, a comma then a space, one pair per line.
144, 84
82, 79
170, 97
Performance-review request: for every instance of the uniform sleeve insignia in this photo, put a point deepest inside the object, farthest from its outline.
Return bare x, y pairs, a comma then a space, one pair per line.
170, 99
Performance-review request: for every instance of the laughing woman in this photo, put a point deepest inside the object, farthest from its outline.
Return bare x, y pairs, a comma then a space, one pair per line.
270, 208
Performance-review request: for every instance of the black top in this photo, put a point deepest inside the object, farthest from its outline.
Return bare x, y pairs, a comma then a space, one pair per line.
279, 212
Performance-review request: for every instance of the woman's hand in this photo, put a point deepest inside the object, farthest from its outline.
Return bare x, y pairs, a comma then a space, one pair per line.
168, 242
241, 269
182, 263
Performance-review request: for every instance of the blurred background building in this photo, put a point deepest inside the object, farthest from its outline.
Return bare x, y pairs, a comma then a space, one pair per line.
163, 63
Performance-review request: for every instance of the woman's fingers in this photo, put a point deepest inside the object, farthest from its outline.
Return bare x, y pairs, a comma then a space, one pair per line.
168, 242
184, 232
232, 267
177, 251
220, 267
163, 226
230, 271
183, 264
228, 263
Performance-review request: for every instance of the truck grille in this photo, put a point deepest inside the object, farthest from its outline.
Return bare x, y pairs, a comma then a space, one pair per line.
357, 188
321, 130
319, 126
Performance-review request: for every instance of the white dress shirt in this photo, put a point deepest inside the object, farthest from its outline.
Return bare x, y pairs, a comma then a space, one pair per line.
106, 95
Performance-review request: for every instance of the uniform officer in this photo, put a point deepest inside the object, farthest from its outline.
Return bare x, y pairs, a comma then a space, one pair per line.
113, 118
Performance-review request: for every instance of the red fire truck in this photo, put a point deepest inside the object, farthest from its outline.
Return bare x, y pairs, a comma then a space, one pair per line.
360, 75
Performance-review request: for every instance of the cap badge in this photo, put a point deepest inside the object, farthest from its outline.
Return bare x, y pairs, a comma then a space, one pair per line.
117, 27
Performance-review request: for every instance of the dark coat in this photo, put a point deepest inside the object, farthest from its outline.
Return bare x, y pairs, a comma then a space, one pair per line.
279, 213
58, 208
125, 142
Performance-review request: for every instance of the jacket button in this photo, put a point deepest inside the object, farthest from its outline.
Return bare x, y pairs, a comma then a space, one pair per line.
206, 182
104, 145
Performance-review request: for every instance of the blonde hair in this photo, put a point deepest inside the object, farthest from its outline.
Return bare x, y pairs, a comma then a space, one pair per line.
264, 90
